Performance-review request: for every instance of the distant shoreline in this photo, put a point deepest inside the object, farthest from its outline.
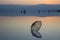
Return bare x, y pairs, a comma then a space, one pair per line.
30, 10
29, 16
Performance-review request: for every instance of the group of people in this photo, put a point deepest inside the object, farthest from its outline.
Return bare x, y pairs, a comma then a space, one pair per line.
24, 11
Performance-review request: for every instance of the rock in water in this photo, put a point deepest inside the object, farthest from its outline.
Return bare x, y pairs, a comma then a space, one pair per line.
35, 28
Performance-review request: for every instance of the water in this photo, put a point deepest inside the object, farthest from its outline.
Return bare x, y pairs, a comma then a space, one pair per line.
19, 28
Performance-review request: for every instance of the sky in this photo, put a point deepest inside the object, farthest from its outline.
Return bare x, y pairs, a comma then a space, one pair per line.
29, 2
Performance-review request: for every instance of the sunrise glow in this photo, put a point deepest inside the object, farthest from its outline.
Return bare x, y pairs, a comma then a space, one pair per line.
29, 2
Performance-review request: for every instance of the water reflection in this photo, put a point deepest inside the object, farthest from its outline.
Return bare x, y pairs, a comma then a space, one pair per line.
19, 28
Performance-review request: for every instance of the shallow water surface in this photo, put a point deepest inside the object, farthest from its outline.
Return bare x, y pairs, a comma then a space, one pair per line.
19, 28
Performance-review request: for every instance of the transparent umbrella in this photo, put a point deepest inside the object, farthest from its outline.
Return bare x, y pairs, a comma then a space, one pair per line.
35, 28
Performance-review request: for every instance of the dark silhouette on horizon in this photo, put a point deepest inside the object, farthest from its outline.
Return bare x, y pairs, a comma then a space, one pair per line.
30, 10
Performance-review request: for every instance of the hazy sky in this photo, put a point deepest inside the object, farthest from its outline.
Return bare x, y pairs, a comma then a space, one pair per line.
29, 2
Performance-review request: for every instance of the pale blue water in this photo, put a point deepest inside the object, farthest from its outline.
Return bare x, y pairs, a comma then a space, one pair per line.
19, 28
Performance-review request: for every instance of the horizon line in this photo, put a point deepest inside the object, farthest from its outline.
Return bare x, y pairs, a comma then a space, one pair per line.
29, 4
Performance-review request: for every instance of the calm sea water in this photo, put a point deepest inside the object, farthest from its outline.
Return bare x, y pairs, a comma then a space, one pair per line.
19, 28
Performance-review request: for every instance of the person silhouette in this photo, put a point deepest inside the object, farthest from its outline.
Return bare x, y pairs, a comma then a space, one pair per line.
24, 11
